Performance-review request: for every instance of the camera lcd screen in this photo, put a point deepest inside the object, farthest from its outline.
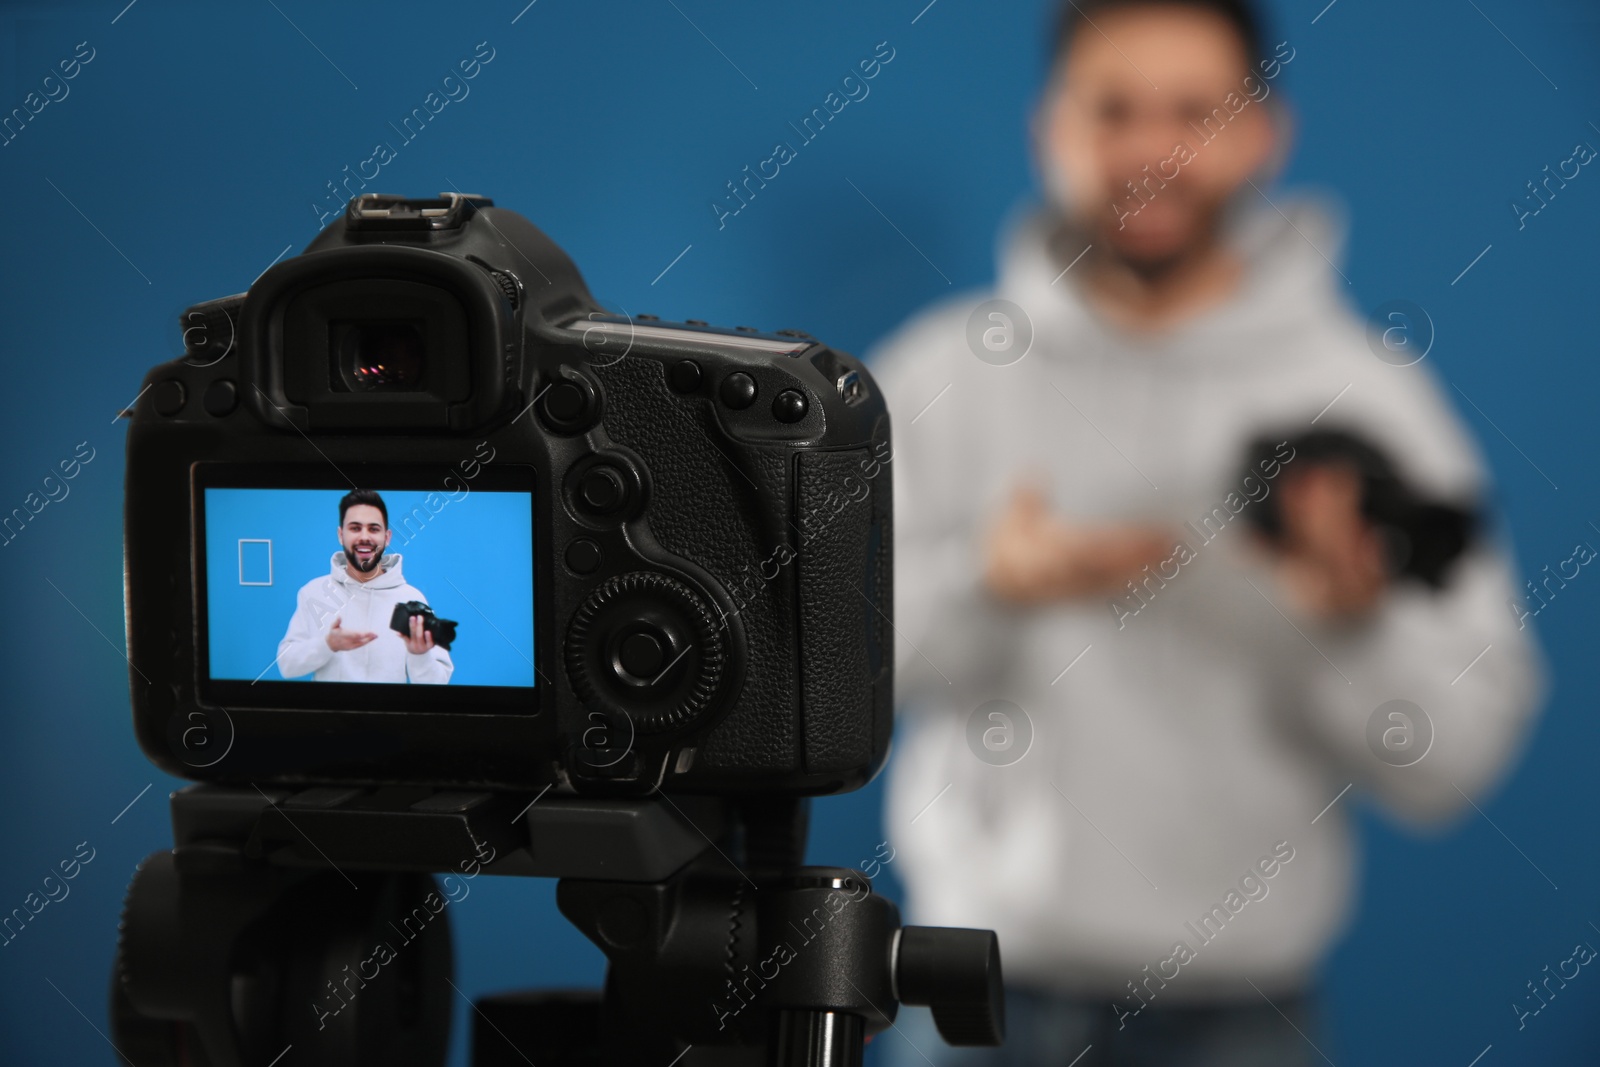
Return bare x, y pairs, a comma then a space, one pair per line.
391, 592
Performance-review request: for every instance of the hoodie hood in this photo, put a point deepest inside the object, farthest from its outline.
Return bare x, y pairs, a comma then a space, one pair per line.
389, 574
1290, 249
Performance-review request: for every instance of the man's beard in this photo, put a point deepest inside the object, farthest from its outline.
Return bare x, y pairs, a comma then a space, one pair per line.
370, 565
1154, 268
1075, 228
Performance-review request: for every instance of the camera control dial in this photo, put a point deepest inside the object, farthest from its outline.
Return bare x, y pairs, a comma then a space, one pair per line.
646, 646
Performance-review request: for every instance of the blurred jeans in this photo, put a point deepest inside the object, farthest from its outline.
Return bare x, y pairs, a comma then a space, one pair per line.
1053, 1030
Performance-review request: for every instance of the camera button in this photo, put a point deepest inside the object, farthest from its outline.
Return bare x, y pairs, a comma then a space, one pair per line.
602, 490
221, 397
642, 656
583, 556
168, 397
569, 405
738, 390
789, 406
565, 402
684, 377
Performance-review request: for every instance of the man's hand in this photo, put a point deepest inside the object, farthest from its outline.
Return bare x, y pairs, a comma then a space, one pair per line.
1032, 557
1330, 559
418, 640
342, 640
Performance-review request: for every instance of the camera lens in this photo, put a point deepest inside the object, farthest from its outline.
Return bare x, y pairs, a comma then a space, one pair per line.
380, 356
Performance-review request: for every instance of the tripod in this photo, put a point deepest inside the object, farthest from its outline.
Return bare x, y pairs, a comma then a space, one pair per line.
309, 920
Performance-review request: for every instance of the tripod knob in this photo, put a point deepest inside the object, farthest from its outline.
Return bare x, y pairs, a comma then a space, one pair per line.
956, 973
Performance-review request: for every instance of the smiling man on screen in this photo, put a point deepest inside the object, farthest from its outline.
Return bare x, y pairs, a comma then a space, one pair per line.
340, 628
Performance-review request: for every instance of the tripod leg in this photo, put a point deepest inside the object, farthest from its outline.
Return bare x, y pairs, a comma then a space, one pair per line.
231, 965
551, 1028
802, 1038
625, 1041
147, 1042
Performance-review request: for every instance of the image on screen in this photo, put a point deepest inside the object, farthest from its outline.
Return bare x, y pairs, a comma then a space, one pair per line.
401, 587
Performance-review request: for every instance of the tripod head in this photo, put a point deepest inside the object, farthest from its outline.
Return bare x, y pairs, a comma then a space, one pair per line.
308, 919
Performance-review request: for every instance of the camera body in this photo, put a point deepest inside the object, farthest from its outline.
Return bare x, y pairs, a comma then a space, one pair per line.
703, 516
1422, 537
443, 630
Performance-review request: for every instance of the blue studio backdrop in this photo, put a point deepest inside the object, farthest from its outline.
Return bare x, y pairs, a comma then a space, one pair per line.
194, 144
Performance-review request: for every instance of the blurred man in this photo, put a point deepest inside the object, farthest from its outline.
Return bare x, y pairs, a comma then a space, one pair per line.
1137, 720
340, 631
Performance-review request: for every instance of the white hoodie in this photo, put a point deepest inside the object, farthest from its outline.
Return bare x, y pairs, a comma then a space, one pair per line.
360, 607
1201, 740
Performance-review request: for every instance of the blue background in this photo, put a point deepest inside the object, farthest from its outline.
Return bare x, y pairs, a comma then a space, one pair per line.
481, 542
192, 150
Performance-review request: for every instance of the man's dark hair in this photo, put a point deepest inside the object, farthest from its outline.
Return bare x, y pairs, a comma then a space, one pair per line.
1239, 14
362, 496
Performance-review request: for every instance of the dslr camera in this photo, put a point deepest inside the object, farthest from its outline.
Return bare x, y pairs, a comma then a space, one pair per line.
443, 630
671, 540
669, 545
